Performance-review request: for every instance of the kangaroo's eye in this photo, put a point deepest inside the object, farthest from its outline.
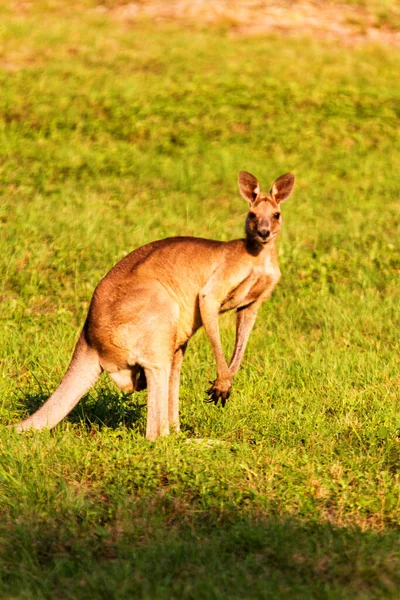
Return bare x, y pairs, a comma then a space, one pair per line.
252, 215
277, 215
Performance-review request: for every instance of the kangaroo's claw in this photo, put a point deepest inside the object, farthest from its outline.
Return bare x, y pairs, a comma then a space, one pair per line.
224, 398
215, 394
210, 400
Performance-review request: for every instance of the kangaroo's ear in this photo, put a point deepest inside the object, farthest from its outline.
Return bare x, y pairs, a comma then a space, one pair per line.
248, 186
282, 187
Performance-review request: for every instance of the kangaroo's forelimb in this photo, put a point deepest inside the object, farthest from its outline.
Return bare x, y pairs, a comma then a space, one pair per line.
220, 389
245, 320
213, 300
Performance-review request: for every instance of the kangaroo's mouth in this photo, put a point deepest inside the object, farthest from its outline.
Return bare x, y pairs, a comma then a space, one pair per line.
262, 240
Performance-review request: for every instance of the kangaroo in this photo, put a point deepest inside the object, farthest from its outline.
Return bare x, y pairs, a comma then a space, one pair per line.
145, 310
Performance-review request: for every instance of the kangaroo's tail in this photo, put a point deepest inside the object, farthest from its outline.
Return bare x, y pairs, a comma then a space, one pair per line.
81, 374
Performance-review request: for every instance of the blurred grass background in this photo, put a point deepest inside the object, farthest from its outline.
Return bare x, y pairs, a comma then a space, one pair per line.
117, 128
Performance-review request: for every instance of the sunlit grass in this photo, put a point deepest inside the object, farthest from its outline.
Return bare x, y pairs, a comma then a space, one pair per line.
112, 136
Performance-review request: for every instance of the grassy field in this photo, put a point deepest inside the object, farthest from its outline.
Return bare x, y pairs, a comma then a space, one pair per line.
113, 134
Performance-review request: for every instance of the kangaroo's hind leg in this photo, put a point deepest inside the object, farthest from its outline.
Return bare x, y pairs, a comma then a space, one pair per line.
147, 337
157, 380
157, 403
174, 382
153, 349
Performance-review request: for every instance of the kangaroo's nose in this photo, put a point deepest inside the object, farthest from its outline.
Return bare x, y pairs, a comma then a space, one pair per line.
264, 233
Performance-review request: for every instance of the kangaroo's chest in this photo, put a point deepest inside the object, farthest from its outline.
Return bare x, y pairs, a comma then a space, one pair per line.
260, 282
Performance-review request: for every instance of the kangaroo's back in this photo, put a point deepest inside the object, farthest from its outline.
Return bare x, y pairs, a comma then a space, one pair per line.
170, 260
181, 266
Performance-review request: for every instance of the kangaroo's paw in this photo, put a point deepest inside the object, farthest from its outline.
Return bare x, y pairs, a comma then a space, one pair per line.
219, 390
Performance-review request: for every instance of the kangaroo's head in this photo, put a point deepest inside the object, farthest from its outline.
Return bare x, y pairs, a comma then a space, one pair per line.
264, 217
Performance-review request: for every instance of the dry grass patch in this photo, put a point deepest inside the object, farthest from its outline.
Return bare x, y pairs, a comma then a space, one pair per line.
351, 24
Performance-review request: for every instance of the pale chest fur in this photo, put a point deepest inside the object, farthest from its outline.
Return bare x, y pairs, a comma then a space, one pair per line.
260, 283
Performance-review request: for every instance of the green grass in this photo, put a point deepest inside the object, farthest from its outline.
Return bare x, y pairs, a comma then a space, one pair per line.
114, 135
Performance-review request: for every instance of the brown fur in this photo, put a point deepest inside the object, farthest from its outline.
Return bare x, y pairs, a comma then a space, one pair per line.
148, 306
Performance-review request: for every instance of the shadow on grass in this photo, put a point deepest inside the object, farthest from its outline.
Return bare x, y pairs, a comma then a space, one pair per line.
156, 550
101, 408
